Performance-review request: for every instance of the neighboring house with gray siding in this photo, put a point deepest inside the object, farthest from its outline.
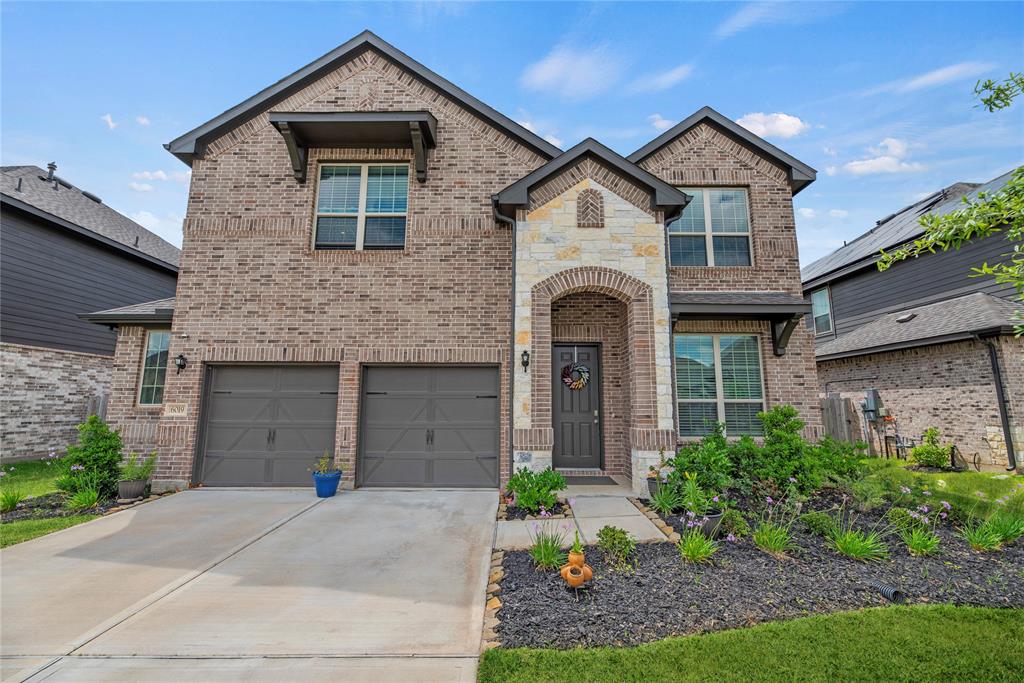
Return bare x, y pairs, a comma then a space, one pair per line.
62, 252
377, 264
935, 341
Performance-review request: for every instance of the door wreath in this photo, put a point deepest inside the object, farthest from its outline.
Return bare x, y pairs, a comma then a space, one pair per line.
575, 376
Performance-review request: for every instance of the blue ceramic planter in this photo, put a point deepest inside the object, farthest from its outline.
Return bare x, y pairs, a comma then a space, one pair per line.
326, 484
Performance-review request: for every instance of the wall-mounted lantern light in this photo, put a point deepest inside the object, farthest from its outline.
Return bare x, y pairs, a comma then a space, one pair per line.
525, 360
181, 362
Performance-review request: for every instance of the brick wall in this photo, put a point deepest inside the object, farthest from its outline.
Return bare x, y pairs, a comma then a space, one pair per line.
948, 386
136, 423
46, 394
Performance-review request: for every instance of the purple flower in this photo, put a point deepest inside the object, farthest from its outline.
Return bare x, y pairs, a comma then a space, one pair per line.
1001, 501
904, 489
923, 508
77, 468
690, 514
792, 480
925, 520
714, 499
768, 499
2, 473
946, 505
979, 494
913, 515
926, 493
730, 538
942, 515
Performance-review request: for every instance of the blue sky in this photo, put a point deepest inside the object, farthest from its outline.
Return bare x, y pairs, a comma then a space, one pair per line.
876, 96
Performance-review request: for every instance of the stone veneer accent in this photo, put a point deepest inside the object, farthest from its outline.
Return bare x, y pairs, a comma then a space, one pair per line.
949, 386
556, 258
46, 394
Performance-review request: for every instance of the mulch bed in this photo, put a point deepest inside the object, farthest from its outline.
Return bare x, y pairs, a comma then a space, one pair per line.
51, 505
740, 587
512, 512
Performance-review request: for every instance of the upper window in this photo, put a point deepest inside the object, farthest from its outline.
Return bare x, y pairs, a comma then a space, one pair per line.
713, 230
362, 206
821, 311
154, 368
718, 379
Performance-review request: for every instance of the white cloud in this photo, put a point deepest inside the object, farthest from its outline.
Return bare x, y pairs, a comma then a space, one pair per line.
831, 170
557, 142
830, 151
109, 120
888, 158
141, 187
660, 123
947, 74
176, 176
838, 213
142, 120
762, 13
574, 73
777, 125
543, 131
807, 213
168, 227
662, 80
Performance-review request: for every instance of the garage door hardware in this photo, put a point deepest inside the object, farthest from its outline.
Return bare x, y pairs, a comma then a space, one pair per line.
430, 437
271, 436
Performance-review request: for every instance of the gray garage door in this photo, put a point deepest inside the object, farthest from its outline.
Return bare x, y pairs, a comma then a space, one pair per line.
267, 425
429, 426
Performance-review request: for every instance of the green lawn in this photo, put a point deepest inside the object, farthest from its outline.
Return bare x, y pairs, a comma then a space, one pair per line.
959, 488
27, 529
933, 643
32, 477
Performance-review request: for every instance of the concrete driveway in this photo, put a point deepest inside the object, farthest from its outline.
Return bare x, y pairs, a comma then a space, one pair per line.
255, 585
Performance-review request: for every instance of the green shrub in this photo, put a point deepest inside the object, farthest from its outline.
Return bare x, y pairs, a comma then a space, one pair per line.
901, 519
83, 499
866, 546
97, 455
136, 468
868, 493
548, 543
707, 460
694, 498
981, 536
1009, 525
666, 499
820, 523
618, 547
534, 490
930, 453
9, 499
920, 540
734, 523
695, 547
773, 537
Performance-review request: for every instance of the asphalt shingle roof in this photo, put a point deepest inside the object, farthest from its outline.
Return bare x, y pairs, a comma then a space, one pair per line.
140, 311
899, 228
71, 204
933, 323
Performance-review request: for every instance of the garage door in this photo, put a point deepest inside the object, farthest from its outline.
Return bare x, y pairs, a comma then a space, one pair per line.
429, 426
266, 425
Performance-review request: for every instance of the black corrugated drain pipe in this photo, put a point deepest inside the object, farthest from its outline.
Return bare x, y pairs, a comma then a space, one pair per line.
891, 593
1004, 413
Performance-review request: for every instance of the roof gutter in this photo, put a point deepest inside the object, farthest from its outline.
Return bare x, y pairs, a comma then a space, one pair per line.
511, 336
1001, 402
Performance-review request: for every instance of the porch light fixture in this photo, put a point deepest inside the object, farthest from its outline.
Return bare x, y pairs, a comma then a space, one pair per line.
525, 360
180, 362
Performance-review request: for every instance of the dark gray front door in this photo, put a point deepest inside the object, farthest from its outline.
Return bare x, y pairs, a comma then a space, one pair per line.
576, 412
429, 426
267, 425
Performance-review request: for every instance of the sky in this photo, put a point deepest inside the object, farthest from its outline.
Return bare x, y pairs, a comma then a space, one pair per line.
878, 97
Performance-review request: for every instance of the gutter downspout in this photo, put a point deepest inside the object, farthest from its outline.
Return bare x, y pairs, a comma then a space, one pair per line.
511, 339
1004, 417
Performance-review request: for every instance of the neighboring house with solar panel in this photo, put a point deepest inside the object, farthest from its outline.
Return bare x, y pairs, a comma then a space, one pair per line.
935, 342
64, 252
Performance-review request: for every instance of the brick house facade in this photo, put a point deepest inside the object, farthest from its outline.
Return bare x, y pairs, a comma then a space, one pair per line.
510, 246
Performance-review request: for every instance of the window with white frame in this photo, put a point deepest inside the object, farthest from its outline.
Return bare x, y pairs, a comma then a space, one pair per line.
821, 311
362, 206
154, 368
713, 230
718, 379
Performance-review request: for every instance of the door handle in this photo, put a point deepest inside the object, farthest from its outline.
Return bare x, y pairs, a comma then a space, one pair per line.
273, 436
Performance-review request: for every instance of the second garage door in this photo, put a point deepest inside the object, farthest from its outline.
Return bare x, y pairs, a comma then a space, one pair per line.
429, 426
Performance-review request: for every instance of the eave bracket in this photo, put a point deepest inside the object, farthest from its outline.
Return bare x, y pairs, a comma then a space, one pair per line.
782, 330
296, 151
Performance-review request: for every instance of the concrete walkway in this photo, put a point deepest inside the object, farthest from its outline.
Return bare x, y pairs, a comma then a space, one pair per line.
255, 585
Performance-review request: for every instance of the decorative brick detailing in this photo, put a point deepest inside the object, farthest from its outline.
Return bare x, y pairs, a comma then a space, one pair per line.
537, 438
653, 439
46, 394
590, 169
590, 209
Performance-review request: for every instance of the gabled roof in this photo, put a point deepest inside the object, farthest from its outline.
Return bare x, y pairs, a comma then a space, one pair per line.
191, 144
60, 202
159, 311
665, 197
894, 230
800, 174
943, 322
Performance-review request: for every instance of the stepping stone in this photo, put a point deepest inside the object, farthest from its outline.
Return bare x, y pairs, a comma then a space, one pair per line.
603, 506
638, 526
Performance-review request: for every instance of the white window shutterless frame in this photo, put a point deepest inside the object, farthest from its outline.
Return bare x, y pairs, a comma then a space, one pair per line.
361, 206
719, 378
724, 227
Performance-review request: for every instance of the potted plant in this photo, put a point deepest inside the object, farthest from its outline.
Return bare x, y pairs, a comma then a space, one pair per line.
699, 509
133, 476
326, 476
576, 571
656, 475
576, 552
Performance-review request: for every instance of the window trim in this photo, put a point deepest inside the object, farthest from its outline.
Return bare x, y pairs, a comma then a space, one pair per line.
142, 366
709, 230
720, 400
361, 214
831, 321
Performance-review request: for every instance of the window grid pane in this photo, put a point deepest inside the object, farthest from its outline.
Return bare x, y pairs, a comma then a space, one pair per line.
821, 311
154, 368
695, 367
387, 189
336, 232
687, 250
731, 251
822, 324
741, 419
697, 419
741, 367
339, 189
729, 211
692, 218
384, 232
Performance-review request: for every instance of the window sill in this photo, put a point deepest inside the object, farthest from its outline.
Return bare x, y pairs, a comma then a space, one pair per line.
358, 256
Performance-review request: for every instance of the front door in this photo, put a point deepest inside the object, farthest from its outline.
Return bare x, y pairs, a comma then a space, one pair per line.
576, 405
